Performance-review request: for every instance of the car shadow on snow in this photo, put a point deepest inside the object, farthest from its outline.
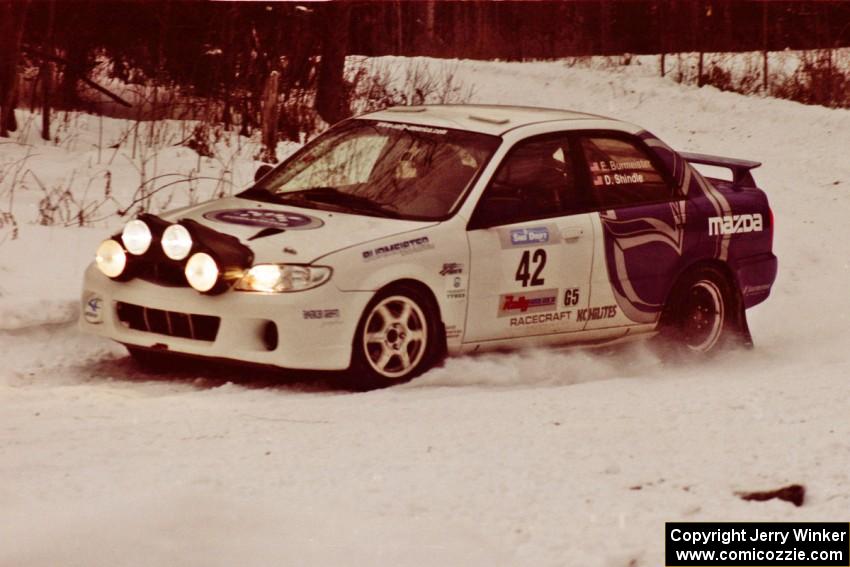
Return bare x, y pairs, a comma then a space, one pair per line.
205, 374
551, 367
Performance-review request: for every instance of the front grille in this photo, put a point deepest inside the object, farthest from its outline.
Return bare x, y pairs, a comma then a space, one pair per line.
171, 323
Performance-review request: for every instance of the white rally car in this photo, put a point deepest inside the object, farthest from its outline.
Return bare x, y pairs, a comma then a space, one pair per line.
401, 236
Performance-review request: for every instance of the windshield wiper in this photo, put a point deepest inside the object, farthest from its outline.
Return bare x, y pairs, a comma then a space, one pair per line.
270, 196
334, 196
328, 195
260, 194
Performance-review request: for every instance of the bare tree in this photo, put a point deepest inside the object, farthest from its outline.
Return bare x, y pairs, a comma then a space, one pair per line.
331, 100
47, 72
12, 19
270, 95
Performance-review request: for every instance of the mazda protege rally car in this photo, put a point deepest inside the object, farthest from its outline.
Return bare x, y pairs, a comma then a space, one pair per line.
401, 236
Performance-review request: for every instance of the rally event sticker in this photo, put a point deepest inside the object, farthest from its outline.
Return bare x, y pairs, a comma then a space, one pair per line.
284, 220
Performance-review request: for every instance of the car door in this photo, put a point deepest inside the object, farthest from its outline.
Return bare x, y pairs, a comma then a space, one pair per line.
531, 246
643, 221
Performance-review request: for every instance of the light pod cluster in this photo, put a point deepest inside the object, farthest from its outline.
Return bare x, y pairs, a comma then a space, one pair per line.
213, 261
114, 256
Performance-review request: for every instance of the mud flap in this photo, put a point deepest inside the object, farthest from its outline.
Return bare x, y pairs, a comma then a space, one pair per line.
742, 328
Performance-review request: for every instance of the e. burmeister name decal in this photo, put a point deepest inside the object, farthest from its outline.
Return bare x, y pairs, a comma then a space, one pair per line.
401, 248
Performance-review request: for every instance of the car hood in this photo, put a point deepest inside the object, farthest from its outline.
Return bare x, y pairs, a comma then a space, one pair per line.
284, 233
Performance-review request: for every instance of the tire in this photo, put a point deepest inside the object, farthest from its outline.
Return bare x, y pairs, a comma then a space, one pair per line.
399, 337
704, 315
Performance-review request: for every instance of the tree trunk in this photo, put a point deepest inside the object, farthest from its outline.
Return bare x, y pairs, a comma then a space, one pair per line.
399, 26
605, 17
227, 80
12, 17
47, 73
430, 13
700, 68
659, 14
695, 27
764, 38
332, 101
270, 119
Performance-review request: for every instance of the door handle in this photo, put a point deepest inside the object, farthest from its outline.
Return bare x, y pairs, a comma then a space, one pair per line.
572, 233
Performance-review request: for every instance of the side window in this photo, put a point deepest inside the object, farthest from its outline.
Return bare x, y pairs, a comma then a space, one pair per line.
621, 173
536, 180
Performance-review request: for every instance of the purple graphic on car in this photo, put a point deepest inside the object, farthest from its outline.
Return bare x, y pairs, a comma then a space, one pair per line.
648, 246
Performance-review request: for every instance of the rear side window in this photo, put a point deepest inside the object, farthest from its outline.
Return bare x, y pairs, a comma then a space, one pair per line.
621, 173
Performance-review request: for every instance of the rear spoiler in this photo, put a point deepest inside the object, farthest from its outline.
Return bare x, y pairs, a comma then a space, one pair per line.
741, 176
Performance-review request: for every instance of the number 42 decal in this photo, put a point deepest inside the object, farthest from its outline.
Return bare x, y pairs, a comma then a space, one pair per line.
531, 260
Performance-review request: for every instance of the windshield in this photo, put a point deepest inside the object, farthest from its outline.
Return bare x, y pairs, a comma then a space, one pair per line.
381, 168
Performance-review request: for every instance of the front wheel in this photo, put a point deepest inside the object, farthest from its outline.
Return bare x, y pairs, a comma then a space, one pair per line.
397, 338
704, 314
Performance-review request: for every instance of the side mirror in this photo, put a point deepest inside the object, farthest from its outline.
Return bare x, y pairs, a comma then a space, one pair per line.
262, 171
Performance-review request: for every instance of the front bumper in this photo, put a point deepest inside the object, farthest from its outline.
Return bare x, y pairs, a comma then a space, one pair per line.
314, 328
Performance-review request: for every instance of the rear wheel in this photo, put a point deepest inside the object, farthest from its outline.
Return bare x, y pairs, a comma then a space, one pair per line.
704, 314
397, 339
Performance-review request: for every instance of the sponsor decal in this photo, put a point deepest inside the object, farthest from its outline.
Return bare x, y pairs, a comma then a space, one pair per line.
527, 302
540, 318
753, 289
451, 268
93, 310
596, 313
734, 224
456, 287
412, 128
455, 280
453, 332
283, 220
540, 235
314, 314
530, 236
403, 248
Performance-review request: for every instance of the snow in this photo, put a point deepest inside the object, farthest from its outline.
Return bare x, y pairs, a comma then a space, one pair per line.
533, 458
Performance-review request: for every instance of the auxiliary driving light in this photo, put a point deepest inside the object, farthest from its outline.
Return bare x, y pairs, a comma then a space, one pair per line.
136, 237
176, 242
111, 258
201, 271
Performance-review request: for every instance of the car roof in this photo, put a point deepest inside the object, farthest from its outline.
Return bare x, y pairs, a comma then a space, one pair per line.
485, 118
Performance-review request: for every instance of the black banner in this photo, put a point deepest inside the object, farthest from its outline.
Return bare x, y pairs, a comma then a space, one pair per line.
757, 544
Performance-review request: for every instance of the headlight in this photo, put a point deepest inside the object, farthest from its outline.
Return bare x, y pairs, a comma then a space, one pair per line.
201, 271
111, 258
283, 277
136, 237
176, 242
